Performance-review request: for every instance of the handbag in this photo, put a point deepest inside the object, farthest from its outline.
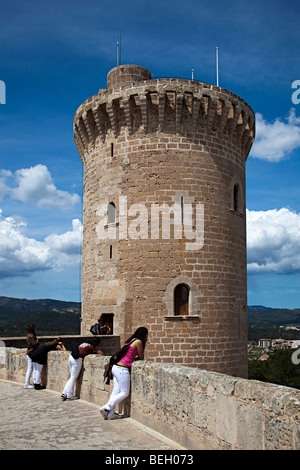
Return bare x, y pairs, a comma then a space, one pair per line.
114, 359
75, 352
107, 373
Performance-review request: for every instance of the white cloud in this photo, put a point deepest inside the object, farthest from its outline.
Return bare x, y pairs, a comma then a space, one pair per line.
275, 141
35, 186
21, 255
273, 241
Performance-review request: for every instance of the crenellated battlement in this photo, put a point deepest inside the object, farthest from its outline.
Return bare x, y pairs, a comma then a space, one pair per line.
168, 105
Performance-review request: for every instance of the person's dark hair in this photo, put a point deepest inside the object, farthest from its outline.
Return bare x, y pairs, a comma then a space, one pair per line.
140, 333
95, 341
54, 342
31, 329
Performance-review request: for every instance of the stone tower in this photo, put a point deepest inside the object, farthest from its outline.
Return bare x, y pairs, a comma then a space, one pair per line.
164, 223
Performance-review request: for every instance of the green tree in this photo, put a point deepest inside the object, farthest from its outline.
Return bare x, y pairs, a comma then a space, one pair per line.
278, 369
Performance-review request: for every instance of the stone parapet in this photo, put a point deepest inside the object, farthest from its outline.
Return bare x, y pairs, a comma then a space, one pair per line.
108, 344
196, 408
168, 105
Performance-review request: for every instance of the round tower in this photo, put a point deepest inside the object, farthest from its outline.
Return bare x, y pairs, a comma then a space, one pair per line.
164, 222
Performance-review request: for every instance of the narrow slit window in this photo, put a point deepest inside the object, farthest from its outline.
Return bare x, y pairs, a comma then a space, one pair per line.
182, 214
181, 299
236, 198
111, 213
112, 149
110, 251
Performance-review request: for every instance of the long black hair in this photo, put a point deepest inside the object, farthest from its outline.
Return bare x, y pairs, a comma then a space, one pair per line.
31, 329
141, 333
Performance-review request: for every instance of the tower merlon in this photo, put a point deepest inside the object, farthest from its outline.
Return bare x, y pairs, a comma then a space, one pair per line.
134, 100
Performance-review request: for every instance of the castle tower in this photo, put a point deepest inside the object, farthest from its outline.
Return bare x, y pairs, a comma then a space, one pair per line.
164, 223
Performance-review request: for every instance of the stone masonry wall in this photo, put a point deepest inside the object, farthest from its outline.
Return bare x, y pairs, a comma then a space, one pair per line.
166, 141
197, 408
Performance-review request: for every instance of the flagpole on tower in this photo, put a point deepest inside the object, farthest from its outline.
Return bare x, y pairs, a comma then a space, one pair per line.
119, 50
217, 64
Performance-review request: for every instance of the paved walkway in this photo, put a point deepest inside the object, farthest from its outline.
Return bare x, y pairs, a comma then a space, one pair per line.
38, 420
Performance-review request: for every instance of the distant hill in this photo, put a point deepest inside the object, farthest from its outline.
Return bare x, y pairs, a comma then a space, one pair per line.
54, 317
265, 322
51, 317
252, 308
264, 316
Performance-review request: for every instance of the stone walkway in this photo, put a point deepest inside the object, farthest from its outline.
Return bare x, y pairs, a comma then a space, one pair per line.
39, 420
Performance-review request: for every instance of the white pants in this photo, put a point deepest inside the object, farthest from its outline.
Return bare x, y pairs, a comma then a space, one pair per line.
121, 377
29, 371
37, 369
75, 366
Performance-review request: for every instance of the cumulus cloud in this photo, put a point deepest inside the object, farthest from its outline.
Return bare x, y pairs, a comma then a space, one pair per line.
35, 186
273, 241
275, 141
21, 255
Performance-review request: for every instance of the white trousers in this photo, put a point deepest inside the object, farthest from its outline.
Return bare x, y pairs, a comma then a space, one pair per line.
121, 377
29, 371
37, 369
75, 366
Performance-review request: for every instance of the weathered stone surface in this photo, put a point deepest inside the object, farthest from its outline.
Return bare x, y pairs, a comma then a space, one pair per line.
196, 408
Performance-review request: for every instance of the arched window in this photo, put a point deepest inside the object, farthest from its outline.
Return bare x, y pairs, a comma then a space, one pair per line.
111, 213
181, 299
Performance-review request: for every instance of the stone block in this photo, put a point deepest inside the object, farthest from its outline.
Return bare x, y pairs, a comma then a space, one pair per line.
226, 419
250, 427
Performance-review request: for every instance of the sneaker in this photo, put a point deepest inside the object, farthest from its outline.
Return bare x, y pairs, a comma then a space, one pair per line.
63, 397
28, 386
39, 387
104, 412
113, 416
72, 398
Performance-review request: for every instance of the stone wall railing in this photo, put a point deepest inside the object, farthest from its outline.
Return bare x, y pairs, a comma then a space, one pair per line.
109, 344
197, 408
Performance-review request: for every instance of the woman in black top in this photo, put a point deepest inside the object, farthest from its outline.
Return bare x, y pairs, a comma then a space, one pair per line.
32, 344
39, 359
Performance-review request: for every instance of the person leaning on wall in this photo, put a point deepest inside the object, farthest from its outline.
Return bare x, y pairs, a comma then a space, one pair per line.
39, 359
100, 328
32, 344
121, 372
75, 362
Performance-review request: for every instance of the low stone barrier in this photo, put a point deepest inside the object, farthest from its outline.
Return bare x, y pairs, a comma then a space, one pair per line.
109, 344
196, 408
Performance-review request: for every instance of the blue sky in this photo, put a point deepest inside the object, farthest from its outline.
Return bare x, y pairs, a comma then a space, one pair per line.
54, 55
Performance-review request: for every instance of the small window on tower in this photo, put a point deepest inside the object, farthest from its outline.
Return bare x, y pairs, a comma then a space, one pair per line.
181, 299
111, 213
236, 198
111, 149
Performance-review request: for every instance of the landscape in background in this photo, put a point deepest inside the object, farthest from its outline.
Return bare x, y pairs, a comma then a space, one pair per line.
56, 317
273, 334
51, 317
